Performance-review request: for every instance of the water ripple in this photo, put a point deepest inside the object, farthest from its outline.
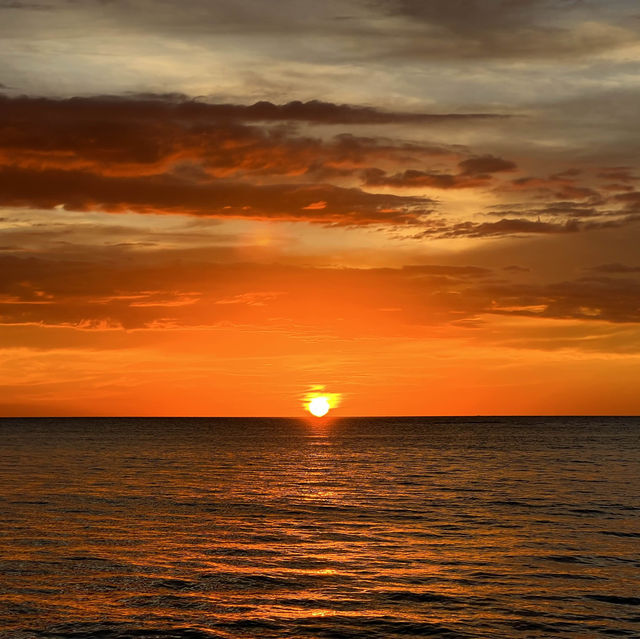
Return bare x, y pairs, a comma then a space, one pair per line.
205, 529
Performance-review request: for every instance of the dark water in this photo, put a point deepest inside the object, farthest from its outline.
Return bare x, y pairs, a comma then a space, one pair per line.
167, 528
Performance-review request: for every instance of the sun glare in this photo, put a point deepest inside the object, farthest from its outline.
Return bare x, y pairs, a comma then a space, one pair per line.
319, 406
318, 402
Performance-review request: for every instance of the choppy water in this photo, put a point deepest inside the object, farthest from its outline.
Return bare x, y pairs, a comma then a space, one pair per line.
514, 527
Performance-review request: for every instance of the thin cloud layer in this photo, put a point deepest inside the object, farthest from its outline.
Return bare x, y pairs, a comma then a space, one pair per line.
518, 29
135, 294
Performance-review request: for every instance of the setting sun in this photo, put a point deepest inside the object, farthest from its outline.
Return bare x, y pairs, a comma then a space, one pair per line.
319, 406
318, 402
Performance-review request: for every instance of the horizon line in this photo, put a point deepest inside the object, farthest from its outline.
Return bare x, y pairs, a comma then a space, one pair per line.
325, 418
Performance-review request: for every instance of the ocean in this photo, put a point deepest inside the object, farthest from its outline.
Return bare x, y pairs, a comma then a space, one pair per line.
369, 527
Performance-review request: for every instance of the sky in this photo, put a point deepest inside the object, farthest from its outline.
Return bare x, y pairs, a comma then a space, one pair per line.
216, 207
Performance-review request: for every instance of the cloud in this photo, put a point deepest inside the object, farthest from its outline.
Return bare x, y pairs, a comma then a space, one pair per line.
437, 29
168, 154
511, 29
29, 6
559, 186
82, 191
414, 179
615, 268
442, 269
134, 137
521, 227
182, 108
485, 164
503, 227
134, 293
588, 298
620, 173
474, 172
147, 147
158, 154
555, 210
595, 213
631, 200
320, 112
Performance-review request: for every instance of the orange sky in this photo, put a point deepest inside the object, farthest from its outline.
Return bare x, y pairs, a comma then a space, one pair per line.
211, 211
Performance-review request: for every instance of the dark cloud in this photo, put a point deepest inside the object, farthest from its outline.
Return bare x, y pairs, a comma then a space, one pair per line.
515, 268
510, 226
631, 200
507, 226
520, 227
616, 187
471, 16
422, 179
620, 173
553, 210
180, 107
170, 155
485, 164
435, 28
144, 137
614, 268
560, 188
522, 29
322, 203
29, 6
418, 29
603, 298
164, 153
474, 172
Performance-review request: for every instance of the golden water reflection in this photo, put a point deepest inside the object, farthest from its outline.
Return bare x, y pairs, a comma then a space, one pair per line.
292, 529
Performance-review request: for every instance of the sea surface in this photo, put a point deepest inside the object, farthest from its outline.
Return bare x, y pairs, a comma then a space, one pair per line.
394, 527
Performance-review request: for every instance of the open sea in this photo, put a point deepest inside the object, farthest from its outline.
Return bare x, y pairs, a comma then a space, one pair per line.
368, 527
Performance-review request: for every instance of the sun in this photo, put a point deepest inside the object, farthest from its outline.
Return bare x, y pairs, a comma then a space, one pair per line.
319, 406
318, 401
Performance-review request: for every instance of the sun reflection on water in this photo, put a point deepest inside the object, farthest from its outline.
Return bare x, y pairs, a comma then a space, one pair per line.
259, 529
